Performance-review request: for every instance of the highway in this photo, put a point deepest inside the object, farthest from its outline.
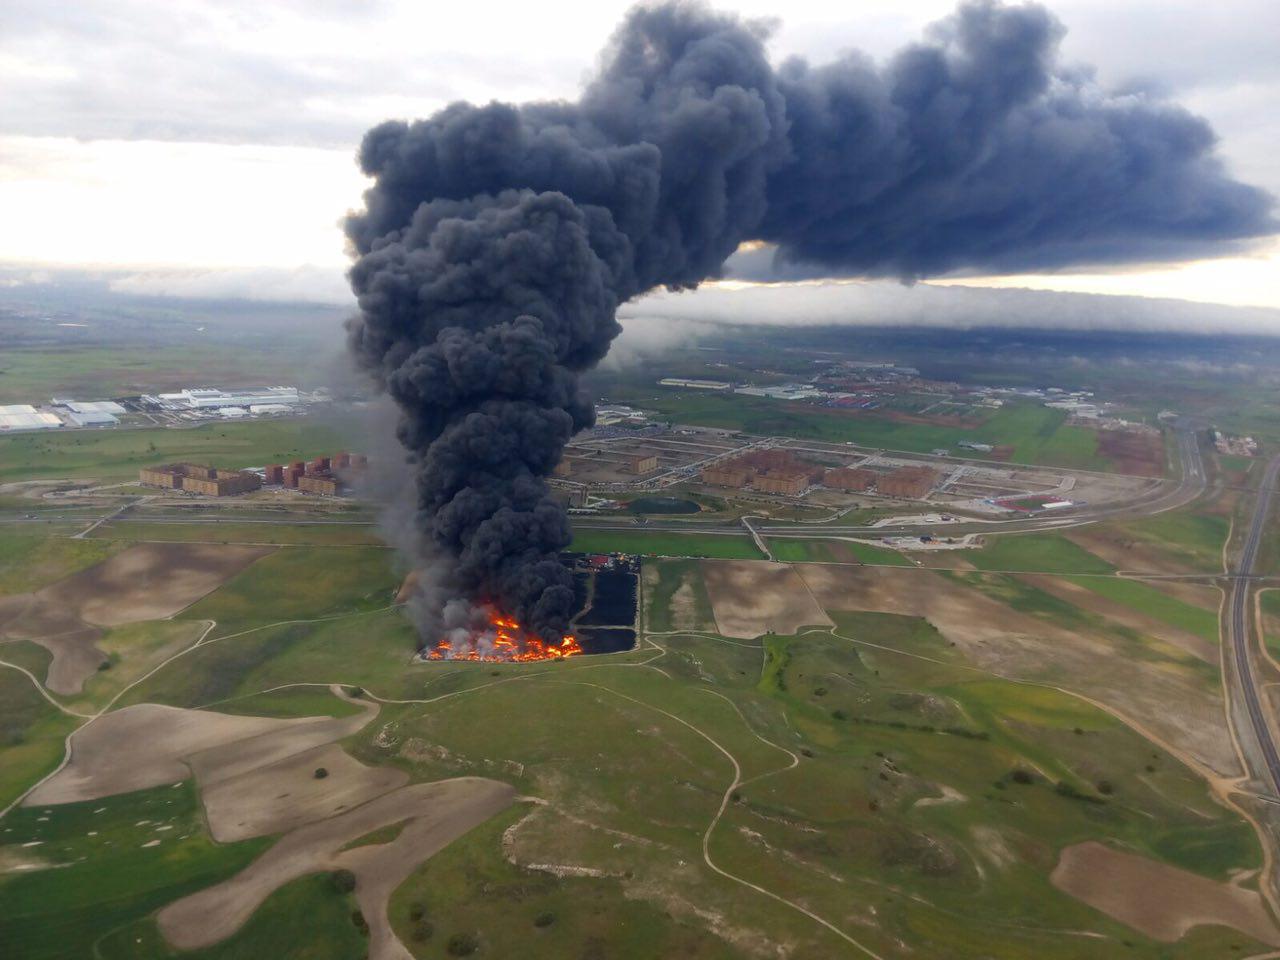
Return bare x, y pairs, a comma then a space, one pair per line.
1238, 628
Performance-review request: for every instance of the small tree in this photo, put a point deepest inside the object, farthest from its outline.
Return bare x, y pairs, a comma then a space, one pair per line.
321, 773
344, 881
462, 945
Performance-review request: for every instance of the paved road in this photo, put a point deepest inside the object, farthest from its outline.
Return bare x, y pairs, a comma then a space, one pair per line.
1168, 496
1238, 627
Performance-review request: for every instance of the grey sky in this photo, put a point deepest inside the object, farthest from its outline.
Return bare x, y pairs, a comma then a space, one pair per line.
294, 74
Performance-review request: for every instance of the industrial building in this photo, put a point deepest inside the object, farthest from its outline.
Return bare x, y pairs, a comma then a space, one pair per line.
92, 418
23, 416
201, 479
695, 384
850, 479
207, 398
90, 406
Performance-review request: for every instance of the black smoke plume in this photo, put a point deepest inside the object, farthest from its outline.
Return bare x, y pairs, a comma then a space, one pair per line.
498, 241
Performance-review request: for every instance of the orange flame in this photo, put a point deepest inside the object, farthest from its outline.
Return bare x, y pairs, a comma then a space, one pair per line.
505, 641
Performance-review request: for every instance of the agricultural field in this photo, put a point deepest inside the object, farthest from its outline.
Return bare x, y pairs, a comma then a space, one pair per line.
236, 530
104, 371
791, 550
837, 758
659, 544
117, 454
1036, 553
216, 742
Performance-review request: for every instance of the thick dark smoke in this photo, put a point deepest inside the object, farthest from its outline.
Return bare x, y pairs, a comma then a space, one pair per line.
498, 241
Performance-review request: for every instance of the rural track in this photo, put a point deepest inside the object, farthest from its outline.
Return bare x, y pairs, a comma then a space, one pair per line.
1238, 628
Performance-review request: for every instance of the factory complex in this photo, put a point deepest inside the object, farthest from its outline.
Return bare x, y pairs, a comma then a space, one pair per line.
60, 413
184, 407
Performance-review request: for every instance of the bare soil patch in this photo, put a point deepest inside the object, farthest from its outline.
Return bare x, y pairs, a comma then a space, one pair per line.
1168, 697
143, 746
149, 745
754, 597
286, 794
150, 581
72, 642
684, 607
437, 813
1161, 901
1139, 454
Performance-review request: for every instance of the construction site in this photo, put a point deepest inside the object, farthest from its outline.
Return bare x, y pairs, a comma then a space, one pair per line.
612, 459
325, 476
200, 479
603, 462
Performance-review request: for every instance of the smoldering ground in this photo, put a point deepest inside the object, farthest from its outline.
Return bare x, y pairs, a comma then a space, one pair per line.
498, 241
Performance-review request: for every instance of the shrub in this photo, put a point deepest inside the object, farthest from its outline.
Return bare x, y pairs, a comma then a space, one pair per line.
1106, 788
321, 773
1067, 790
422, 930
344, 881
839, 715
1022, 776
462, 945
544, 919
417, 911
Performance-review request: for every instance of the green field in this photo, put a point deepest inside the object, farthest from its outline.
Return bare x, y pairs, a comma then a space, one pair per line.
101, 372
1036, 433
107, 878
658, 544
675, 598
873, 730
1191, 538
301, 583
1035, 553
834, 551
30, 560
118, 454
230, 531
1153, 602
